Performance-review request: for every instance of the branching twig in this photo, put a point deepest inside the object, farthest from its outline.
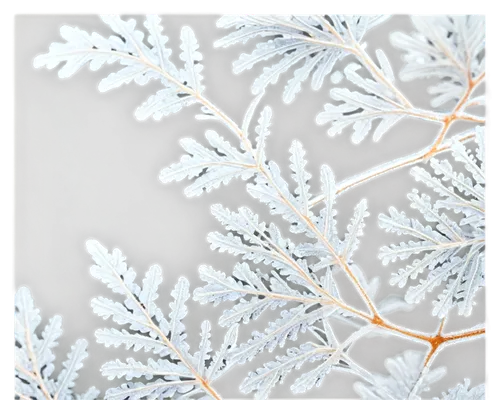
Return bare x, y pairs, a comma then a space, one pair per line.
375, 318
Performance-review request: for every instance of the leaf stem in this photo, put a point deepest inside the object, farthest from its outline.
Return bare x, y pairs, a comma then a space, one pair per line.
201, 381
35, 374
378, 75
375, 318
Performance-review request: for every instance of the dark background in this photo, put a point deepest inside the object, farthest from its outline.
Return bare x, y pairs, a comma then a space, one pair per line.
85, 167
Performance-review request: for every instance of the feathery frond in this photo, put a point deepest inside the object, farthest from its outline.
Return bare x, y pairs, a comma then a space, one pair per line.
361, 110
448, 47
309, 44
177, 371
452, 252
463, 392
209, 167
404, 371
298, 278
34, 355
141, 61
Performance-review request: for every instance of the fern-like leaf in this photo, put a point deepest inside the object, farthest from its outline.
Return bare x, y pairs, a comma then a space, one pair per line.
452, 252
361, 110
176, 371
450, 48
140, 61
308, 44
263, 380
209, 167
463, 392
287, 327
34, 355
404, 371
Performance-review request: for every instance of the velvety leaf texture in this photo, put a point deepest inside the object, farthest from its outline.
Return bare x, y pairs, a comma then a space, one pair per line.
297, 270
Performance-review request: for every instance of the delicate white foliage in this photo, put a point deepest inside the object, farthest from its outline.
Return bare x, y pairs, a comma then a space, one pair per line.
192, 58
140, 61
265, 378
299, 277
463, 392
262, 131
177, 371
361, 109
208, 167
404, 371
390, 304
309, 44
211, 167
450, 48
452, 252
34, 357
331, 354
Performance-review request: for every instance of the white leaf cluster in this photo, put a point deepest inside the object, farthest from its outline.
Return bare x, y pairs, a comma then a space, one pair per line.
310, 45
298, 277
175, 371
463, 392
293, 277
328, 352
142, 57
209, 167
35, 357
362, 109
450, 251
404, 371
450, 48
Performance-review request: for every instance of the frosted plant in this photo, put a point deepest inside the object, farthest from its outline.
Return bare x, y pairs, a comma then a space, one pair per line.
316, 42
453, 252
35, 358
447, 47
404, 371
298, 276
176, 371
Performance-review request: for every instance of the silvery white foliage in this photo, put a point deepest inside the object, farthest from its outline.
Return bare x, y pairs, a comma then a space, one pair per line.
387, 305
308, 44
294, 208
208, 167
142, 56
331, 354
243, 282
35, 358
265, 378
264, 243
362, 109
176, 371
255, 241
404, 371
211, 167
463, 392
452, 252
298, 276
450, 48
254, 291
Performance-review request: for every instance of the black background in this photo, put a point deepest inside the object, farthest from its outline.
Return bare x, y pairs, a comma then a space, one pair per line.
85, 168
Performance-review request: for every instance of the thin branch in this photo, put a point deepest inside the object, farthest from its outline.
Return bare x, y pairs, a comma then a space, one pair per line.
198, 378
22, 396
429, 359
379, 76
374, 318
472, 84
437, 147
36, 374
382, 169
